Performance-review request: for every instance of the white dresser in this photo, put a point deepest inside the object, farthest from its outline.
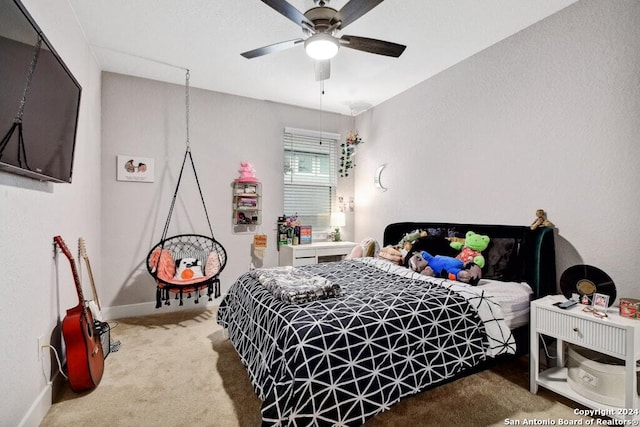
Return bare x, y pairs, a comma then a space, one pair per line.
314, 253
614, 335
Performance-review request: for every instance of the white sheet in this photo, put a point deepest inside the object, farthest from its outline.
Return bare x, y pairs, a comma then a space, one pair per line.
514, 299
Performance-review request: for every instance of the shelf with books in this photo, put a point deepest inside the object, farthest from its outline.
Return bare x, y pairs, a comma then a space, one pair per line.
247, 205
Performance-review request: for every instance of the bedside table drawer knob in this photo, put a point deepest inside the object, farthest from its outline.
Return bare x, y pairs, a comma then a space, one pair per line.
575, 329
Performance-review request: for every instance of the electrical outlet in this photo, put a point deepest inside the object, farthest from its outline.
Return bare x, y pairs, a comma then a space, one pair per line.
41, 343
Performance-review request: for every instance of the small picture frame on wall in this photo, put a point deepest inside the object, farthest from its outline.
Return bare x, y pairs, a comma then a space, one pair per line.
600, 301
135, 168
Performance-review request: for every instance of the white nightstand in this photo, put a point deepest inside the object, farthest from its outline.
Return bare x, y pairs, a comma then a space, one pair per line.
314, 253
615, 336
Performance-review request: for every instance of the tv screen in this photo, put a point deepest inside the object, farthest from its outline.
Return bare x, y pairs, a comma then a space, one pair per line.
39, 100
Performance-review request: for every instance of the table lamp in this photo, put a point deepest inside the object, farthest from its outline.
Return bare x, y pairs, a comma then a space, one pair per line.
338, 219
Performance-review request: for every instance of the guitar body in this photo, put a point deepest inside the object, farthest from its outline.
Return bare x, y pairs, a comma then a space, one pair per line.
85, 357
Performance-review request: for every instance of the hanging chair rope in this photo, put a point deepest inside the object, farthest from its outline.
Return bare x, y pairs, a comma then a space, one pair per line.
184, 161
209, 253
175, 195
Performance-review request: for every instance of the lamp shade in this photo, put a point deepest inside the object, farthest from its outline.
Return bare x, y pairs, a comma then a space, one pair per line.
338, 219
321, 46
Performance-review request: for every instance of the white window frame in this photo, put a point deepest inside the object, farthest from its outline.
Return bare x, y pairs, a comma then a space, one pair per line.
310, 142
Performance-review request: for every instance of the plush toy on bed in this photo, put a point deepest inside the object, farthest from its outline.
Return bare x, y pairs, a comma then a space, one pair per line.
369, 247
188, 268
420, 265
445, 267
471, 250
435, 245
391, 254
409, 239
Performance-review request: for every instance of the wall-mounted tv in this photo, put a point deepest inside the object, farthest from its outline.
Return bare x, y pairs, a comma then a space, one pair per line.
39, 100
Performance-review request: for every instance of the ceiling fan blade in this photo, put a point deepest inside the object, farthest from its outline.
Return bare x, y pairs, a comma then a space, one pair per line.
276, 47
323, 69
286, 9
379, 47
353, 10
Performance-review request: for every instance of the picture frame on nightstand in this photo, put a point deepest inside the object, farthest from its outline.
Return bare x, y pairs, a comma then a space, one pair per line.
600, 301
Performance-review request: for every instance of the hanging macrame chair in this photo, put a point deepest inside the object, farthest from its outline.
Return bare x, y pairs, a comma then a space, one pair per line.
205, 252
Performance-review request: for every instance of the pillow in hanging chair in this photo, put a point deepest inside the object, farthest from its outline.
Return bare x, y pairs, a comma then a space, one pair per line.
212, 265
162, 262
188, 268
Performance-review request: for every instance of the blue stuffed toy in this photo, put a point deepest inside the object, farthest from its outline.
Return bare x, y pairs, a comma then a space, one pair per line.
448, 267
443, 266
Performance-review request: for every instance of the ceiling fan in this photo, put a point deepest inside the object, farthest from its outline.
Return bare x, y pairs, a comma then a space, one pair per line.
320, 25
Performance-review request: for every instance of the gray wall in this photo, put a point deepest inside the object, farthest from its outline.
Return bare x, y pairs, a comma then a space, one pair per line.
547, 118
147, 118
36, 293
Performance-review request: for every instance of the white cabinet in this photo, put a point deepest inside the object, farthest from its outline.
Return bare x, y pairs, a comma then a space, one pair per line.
247, 203
614, 335
314, 253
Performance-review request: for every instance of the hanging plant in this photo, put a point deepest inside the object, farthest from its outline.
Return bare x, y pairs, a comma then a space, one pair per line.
348, 151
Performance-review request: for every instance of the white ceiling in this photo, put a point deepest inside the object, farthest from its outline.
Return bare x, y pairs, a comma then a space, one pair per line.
159, 39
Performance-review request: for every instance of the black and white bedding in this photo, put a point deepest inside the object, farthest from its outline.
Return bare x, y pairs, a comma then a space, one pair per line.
343, 359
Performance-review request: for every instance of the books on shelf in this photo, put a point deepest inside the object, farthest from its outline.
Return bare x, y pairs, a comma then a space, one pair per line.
246, 189
292, 235
247, 202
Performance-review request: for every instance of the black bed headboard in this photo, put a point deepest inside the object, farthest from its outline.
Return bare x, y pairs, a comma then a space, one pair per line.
536, 258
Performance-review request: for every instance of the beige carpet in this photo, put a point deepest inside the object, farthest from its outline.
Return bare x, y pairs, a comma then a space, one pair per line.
177, 369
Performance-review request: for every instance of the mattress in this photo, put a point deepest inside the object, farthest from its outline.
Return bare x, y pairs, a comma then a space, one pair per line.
513, 297
342, 360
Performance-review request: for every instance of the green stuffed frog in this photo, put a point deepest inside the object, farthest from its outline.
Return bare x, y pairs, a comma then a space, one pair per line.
471, 250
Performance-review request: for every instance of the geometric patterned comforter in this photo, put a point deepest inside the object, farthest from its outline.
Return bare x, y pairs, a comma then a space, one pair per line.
342, 360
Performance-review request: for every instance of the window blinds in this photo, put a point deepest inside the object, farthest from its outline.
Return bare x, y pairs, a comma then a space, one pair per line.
310, 175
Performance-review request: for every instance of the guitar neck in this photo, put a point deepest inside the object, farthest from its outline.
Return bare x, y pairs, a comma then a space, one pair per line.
93, 283
74, 270
76, 280
85, 257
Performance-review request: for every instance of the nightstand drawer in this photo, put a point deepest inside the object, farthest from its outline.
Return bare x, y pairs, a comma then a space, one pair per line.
594, 333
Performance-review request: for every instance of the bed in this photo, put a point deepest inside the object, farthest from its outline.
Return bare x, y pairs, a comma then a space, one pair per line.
388, 332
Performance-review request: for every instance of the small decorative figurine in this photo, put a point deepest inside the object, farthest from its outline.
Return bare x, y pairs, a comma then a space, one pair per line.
247, 174
541, 220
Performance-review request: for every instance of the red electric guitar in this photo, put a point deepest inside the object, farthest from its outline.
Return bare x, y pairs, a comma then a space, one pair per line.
85, 359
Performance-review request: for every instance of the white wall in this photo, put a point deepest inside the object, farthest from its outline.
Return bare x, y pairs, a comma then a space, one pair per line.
147, 118
35, 294
547, 118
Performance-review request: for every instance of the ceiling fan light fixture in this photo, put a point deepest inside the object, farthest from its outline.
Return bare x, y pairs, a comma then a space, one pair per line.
321, 46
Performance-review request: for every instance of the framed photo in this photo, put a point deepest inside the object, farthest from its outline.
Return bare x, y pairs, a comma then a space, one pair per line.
134, 169
600, 301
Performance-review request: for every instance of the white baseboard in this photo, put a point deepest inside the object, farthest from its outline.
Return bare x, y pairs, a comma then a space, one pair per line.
39, 408
147, 308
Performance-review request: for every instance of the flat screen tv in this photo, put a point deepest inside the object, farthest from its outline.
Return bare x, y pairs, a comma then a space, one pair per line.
39, 100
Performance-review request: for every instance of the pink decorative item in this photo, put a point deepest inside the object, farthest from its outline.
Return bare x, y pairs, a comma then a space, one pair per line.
247, 174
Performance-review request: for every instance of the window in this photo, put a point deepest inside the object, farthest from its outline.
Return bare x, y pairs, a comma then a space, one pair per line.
310, 175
